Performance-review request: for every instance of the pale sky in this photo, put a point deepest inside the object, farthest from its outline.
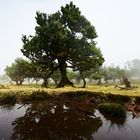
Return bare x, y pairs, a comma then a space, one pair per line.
117, 23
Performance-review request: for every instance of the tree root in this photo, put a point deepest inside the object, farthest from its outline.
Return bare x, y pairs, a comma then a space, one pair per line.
125, 88
63, 83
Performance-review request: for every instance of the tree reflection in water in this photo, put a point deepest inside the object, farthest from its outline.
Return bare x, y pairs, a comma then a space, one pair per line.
51, 121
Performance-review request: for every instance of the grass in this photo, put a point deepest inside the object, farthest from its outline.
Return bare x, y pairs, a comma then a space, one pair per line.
28, 89
39, 95
118, 98
116, 91
95, 88
36, 92
8, 99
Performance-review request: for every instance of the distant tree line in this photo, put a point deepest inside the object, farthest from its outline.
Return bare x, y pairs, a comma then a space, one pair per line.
24, 69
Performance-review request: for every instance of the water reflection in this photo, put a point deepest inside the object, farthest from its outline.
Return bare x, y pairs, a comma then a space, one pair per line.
115, 122
55, 120
7, 115
64, 120
118, 129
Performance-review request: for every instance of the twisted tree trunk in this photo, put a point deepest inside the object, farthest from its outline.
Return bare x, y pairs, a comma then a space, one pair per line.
45, 82
45, 78
84, 81
127, 83
64, 79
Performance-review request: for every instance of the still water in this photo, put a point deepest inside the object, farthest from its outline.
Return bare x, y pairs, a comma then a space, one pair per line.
58, 120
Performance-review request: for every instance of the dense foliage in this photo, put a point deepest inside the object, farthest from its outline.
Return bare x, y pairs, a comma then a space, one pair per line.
21, 69
63, 39
17, 71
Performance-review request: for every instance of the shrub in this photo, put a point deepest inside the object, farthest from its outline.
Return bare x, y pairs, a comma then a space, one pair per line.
112, 109
119, 98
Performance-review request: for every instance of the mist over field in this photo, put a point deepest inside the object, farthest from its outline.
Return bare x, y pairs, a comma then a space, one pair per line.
116, 23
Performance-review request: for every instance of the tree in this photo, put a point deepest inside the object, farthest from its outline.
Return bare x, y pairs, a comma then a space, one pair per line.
98, 75
33, 72
4, 79
88, 61
116, 73
56, 77
44, 124
71, 74
66, 38
17, 71
21, 69
113, 73
133, 68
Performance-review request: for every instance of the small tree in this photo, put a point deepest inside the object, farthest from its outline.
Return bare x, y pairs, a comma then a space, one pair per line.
17, 71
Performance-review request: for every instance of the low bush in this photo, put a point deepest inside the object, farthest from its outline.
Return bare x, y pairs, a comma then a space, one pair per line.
112, 109
118, 98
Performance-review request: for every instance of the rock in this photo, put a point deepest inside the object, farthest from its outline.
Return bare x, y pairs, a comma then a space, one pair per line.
137, 108
130, 106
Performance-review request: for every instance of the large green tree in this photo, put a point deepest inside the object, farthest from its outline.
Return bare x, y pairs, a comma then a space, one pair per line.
63, 39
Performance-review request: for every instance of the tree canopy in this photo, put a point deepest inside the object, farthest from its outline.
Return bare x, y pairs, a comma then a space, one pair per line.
18, 70
63, 39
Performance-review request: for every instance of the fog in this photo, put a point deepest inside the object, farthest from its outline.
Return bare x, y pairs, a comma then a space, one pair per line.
116, 22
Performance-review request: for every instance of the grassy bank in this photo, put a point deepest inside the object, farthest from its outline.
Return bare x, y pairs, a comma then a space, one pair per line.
27, 89
31, 92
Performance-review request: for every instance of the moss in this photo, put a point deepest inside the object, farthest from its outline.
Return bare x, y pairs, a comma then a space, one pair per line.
112, 109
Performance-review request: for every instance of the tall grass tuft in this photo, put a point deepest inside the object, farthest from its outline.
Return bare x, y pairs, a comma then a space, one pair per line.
40, 95
112, 109
8, 99
118, 98
83, 94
